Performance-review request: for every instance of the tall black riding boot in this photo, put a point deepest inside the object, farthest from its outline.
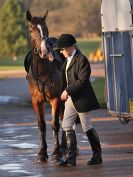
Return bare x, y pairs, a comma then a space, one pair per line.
70, 159
96, 147
63, 146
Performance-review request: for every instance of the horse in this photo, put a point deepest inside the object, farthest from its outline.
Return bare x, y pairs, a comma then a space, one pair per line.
45, 83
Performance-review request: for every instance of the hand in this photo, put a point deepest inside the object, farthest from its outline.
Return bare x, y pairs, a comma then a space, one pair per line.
50, 56
64, 95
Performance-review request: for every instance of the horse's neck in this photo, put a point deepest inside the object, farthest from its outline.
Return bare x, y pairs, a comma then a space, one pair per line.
42, 66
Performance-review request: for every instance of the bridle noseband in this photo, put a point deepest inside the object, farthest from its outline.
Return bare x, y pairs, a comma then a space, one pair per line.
48, 44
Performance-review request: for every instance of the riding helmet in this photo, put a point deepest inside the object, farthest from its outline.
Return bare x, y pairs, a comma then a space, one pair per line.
65, 40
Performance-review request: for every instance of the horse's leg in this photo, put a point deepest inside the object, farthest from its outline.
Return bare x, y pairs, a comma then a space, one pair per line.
55, 103
39, 109
63, 145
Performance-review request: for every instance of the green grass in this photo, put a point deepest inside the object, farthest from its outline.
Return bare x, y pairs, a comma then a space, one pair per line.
88, 45
10, 62
85, 45
7, 68
99, 86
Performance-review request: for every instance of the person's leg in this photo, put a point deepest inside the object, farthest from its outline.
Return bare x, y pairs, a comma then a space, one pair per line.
92, 137
63, 145
75, 128
96, 147
67, 124
70, 115
70, 159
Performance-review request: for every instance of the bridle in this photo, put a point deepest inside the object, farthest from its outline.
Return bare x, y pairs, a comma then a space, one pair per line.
36, 52
48, 44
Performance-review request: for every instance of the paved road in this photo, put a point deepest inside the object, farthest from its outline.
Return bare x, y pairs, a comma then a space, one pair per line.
19, 141
14, 90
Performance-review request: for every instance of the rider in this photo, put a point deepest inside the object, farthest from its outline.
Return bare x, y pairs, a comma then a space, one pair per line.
79, 100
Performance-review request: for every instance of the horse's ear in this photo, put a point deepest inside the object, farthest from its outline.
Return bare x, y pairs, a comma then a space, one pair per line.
45, 15
28, 15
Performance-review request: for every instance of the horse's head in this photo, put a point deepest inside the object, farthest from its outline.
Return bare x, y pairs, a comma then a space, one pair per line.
38, 33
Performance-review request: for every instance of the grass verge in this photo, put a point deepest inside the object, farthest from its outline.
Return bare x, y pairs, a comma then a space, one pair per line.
99, 87
85, 45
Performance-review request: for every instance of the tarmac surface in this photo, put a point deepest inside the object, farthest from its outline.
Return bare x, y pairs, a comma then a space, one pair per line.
19, 139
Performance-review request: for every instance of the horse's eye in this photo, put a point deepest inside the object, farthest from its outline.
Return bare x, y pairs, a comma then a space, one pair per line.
33, 27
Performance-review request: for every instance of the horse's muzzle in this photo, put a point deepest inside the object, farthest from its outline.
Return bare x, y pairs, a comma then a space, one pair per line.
43, 49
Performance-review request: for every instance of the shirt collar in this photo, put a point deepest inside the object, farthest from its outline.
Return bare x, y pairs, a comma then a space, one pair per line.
73, 53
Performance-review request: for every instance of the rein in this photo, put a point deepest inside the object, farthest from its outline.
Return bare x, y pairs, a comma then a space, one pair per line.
47, 42
44, 83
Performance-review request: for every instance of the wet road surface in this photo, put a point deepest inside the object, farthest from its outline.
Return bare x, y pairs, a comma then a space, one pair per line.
19, 141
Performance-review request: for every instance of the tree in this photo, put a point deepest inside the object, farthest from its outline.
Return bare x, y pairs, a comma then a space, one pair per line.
13, 40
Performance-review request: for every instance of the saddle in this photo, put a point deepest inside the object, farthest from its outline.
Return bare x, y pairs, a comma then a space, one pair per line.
28, 61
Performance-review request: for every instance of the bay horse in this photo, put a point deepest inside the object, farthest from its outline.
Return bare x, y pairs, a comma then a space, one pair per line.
45, 83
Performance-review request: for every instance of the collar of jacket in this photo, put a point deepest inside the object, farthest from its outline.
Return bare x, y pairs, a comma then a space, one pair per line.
72, 62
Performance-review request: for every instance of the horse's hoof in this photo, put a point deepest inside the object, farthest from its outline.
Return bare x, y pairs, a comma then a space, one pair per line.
56, 151
63, 151
41, 158
77, 152
55, 158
